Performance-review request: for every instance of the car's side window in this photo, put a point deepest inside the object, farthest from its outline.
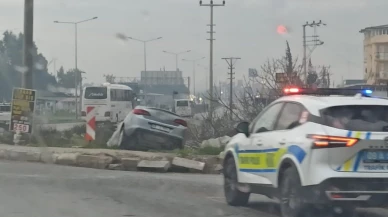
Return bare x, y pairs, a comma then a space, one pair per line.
289, 117
267, 120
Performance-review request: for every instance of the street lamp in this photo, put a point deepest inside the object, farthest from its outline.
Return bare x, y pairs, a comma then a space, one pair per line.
76, 62
176, 56
194, 61
145, 50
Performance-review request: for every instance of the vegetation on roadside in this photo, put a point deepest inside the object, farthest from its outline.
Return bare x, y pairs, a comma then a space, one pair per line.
74, 137
208, 150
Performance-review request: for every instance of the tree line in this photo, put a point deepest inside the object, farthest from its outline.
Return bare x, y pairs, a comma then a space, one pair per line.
11, 67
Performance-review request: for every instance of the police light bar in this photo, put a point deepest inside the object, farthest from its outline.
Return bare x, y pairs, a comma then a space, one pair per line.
326, 91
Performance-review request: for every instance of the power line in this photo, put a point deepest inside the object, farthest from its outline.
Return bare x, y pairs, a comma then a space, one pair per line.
231, 61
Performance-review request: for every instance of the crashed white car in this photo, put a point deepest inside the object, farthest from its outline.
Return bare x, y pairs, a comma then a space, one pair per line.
312, 152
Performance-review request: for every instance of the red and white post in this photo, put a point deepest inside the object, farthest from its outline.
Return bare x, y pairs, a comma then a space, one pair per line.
90, 124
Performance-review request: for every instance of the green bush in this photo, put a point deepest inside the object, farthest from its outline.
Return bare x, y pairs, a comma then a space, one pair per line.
198, 151
7, 138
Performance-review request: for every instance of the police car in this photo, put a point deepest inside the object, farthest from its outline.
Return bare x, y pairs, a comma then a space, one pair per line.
323, 149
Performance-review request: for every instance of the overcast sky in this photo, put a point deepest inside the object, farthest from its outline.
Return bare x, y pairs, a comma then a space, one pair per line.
244, 28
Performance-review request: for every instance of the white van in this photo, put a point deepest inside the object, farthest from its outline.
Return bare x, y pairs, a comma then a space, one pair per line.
183, 107
112, 102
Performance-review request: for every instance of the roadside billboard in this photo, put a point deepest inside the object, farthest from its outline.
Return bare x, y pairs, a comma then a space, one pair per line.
22, 110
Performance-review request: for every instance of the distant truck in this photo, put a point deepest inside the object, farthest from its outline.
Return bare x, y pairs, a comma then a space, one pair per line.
183, 107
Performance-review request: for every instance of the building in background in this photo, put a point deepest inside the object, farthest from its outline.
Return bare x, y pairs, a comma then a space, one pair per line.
164, 82
376, 54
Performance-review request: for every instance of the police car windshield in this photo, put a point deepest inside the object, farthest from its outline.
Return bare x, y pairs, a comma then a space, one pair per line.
357, 117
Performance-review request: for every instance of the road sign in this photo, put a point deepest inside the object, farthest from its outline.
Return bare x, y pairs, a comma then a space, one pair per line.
22, 110
90, 124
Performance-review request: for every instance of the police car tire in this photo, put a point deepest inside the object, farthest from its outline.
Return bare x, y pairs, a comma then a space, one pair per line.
234, 197
290, 179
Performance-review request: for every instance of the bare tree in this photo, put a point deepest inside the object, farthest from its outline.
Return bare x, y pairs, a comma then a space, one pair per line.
275, 74
110, 78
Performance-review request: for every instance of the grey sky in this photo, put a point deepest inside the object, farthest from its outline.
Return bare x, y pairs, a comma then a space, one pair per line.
244, 28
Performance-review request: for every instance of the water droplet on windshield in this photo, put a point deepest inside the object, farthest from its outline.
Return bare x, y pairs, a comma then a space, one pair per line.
39, 66
21, 69
121, 36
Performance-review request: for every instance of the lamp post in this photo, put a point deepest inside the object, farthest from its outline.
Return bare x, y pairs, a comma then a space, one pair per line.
194, 61
76, 61
145, 48
176, 56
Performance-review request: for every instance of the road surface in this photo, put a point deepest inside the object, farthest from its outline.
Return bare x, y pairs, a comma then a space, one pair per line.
29, 189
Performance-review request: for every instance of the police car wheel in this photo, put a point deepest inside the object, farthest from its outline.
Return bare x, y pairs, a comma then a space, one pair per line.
233, 195
291, 204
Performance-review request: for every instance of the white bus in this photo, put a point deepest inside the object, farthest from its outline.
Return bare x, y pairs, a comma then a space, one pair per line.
112, 102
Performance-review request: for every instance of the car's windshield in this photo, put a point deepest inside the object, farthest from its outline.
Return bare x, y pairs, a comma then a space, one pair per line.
357, 117
96, 93
182, 103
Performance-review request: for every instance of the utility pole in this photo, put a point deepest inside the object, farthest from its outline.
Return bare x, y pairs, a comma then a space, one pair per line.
231, 62
307, 44
194, 61
144, 47
28, 44
211, 5
77, 73
176, 56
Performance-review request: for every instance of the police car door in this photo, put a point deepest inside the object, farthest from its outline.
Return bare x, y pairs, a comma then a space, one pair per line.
252, 164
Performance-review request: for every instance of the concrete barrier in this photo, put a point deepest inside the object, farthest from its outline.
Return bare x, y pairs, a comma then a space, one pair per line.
22, 155
115, 167
130, 164
47, 157
190, 164
92, 161
109, 159
69, 159
156, 165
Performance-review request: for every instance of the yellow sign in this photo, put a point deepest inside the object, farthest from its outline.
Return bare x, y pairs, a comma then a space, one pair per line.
23, 106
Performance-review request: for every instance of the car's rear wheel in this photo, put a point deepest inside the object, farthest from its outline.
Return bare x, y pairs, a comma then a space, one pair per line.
233, 195
291, 204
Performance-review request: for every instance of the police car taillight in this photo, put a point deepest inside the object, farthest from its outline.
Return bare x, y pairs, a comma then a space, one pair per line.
291, 90
322, 141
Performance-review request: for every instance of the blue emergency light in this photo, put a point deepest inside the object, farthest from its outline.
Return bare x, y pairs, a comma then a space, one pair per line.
326, 91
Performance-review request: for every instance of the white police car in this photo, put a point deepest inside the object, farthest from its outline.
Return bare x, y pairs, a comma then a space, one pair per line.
311, 151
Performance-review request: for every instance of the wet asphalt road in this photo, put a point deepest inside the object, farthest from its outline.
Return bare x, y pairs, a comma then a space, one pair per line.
29, 190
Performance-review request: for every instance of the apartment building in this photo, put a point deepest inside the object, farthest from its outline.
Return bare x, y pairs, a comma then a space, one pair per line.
376, 54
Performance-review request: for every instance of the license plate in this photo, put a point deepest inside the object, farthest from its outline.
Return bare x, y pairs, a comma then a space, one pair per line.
21, 127
158, 127
375, 157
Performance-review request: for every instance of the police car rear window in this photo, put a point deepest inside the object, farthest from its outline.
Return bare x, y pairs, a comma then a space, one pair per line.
357, 117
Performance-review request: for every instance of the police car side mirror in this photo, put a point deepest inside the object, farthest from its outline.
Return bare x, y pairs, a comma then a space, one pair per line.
243, 127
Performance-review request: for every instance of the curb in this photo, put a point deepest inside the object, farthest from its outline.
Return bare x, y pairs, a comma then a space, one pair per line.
136, 161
